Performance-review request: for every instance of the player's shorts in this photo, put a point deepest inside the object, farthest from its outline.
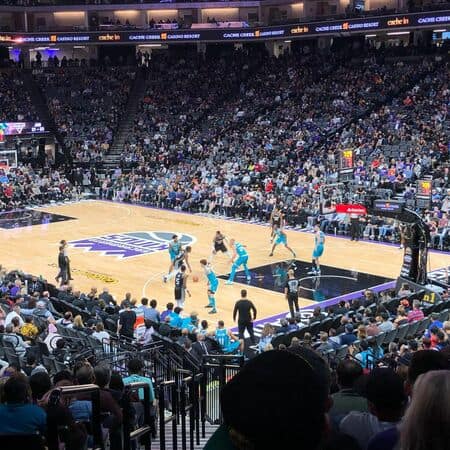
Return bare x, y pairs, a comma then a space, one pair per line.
231, 347
213, 286
281, 239
180, 294
241, 260
220, 247
317, 253
173, 256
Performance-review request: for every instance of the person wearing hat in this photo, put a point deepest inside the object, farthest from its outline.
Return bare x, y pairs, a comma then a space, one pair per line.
279, 400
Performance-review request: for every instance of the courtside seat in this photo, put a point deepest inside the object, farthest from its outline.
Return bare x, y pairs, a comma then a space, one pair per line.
402, 331
444, 315
314, 328
326, 324
389, 336
280, 339
413, 327
380, 338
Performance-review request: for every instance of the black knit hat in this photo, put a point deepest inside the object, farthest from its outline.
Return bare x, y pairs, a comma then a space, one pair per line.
279, 399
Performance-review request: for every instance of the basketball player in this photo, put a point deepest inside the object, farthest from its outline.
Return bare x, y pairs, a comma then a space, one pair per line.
280, 237
181, 286
219, 245
276, 220
180, 259
291, 292
213, 284
64, 245
319, 242
174, 249
240, 258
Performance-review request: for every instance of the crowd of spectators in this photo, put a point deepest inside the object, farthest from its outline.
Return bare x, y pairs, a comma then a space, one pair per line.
15, 101
24, 186
213, 152
182, 152
369, 386
86, 104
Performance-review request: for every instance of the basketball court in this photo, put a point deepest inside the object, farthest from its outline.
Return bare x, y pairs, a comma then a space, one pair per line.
124, 247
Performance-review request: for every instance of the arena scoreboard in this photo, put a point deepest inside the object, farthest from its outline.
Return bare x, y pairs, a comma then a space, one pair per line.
347, 158
423, 195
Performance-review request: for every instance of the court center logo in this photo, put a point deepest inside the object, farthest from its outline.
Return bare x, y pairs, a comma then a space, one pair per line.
132, 244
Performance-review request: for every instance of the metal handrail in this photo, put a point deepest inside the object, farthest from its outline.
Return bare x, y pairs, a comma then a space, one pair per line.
145, 430
94, 390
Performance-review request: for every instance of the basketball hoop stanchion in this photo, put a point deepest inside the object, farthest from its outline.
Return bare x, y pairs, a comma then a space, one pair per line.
416, 242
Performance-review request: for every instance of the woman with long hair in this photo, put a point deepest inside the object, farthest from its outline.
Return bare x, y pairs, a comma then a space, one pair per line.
426, 424
78, 323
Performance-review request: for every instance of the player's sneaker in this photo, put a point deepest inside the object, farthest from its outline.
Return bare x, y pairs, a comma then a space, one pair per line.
249, 278
208, 306
271, 254
165, 278
213, 311
294, 255
229, 282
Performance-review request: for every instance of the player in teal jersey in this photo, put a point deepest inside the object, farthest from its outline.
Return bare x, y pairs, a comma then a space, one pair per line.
280, 237
213, 284
240, 258
174, 249
227, 340
319, 246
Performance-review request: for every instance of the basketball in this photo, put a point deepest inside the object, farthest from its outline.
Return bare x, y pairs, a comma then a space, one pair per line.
195, 278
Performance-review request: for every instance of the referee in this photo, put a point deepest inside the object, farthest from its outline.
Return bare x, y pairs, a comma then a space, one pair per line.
291, 292
354, 227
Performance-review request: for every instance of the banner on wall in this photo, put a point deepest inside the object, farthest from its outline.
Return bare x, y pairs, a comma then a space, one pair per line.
351, 208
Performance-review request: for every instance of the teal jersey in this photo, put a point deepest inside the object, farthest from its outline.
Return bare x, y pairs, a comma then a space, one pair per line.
319, 238
240, 250
222, 337
174, 248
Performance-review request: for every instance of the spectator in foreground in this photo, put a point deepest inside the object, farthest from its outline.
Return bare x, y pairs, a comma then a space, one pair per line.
250, 399
18, 415
347, 398
386, 401
135, 370
421, 362
426, 424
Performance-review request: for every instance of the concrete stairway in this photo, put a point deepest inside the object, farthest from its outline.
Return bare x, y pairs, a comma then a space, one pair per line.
112, 159
39, 101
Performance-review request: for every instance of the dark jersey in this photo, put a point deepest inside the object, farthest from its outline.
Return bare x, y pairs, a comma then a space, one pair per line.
219, 244
179, 259
276, 219
292, 286
62, 262
179, 286
179, 280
